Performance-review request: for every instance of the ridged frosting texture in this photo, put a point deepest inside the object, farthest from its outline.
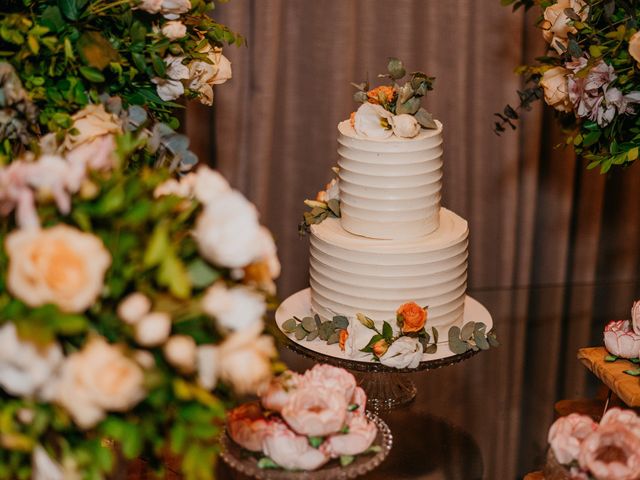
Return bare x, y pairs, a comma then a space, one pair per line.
390, 188
351, 274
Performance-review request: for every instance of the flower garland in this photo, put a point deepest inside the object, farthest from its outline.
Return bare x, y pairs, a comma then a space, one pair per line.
590, 76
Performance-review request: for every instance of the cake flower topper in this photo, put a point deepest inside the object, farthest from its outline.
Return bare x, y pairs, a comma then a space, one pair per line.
393, 109
622, 340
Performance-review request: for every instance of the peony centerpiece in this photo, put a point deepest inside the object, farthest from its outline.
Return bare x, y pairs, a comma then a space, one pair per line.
590, 76
622, 340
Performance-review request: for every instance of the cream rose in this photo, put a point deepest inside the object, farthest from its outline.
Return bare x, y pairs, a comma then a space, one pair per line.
97, 379
91, 122
316, 412
405, 352
133, 308
59, 265
24, 369
634, 46
291, 451
245, 360
372, 121
209, 185
153, 329
174, 30
205, 74
228, 231
359, 438
556, 25
172, 9
234, 308
181, 351
404, 125
556, 89
168, 89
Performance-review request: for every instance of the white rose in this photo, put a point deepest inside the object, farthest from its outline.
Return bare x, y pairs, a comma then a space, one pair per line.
97, 379
168, 89
151, 6
224, 72
207, 360
176, 70
405, 125
59, 265
174, 30
245, 360
25, 369
234, 308
171, 9
153, 329
134, 307
228, 231
405, 352
372, 121
181, 352
91, 122
556, 88
209, 185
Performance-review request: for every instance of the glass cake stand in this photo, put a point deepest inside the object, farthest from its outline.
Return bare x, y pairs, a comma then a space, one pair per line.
247, 463
387, 388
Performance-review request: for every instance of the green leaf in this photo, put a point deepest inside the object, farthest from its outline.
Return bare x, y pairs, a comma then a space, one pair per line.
610, 358
633, 373
96, 51
202, 274
69, 324
372, 342
410, 107
266, 463
333, 338
309, 324
435, 334
334, 206
52, 18
69, 8
158, 245
312, 335
340, 322
92, 74
467, 331
289, 326
387, 331
346, 460
174, 275
425, 119
396, 68
481, 341
315, 442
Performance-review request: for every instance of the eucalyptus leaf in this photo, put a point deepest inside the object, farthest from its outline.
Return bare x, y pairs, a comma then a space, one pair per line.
396, 69
333, 338
312, 335
467, 331
405, 93
425, 119
481, 341
410, 107
300, 332
289, 326
431, 349
202, 274
316, 317
493, 339
334, 206
309, 324
360, 97
340, 322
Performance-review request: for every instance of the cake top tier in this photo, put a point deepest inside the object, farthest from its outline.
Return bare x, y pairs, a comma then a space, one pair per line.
392, 144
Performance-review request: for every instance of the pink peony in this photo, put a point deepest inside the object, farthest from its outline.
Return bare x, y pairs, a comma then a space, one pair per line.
620, 340
247, 426
359, 398
315, 412
291, 451
612, 452
276, 394
628, 418
359, 438
567, 434
635, 316
327, 377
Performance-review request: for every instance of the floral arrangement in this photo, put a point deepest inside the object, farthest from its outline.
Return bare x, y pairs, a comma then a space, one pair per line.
131, 309
622, 340
304, 421
590, 76
586, 450
402, 346
69, 54
326, 205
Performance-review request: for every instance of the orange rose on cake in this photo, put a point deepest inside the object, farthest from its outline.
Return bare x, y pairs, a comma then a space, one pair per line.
412, 317
384, 90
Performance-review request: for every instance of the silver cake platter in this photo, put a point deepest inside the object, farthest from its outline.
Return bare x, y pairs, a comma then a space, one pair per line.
387, 387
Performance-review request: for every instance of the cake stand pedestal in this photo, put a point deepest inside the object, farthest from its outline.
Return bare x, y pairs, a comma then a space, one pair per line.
387, 388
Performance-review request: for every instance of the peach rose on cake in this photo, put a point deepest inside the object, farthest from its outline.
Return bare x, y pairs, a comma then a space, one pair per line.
324, 376
315, 412
275, 395
98, 379
59, 265
291, 451
612, 452
566, 436
247, 426
412, 316
359, 438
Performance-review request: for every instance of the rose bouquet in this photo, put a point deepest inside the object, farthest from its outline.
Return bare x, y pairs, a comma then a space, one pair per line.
67, 54
622, 340
581, 449
399, 344
131, 307
590, 76
304, 421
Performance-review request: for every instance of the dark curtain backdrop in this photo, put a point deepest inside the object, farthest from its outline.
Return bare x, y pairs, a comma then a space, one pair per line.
536, 216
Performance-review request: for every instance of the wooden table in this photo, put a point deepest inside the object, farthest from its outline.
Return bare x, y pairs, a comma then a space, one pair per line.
626, 387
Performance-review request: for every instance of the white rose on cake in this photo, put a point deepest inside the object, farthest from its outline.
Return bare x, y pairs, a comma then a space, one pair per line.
228, 231
234, 308
405, 352
59, 265
405, 125
372, 121
97, 379
25, 369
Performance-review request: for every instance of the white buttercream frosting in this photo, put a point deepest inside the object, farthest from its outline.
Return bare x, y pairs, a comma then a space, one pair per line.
351, 273
390, 188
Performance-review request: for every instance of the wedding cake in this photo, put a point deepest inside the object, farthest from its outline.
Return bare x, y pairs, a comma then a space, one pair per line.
393, 242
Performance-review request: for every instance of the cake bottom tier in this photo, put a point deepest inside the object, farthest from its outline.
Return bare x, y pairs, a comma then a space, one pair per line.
351, 274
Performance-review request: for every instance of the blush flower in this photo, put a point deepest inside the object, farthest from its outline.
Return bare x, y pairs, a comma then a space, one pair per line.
566, 436
315, 412
360, 436
247, 426
291, 451
612, 452
620, 340
635, 317
324, 376
275, 395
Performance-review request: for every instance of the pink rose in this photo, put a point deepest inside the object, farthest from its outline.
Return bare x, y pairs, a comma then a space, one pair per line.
620, 340
628, 418
315, 412
277, 393
247, 426
360, 436
291, 451
567, 434
325, 376
612, 452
